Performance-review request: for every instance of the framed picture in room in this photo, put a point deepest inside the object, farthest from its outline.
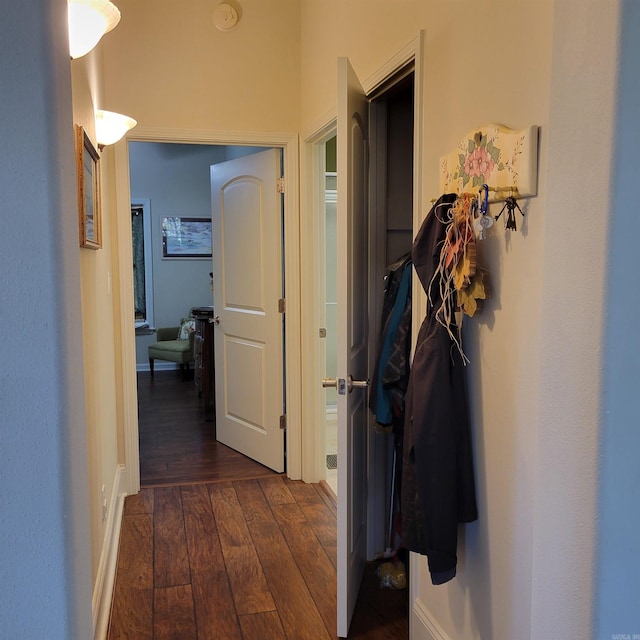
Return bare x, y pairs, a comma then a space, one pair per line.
186, 237
87, 159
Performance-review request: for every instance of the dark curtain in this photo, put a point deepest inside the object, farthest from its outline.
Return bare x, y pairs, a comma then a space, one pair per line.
137, 233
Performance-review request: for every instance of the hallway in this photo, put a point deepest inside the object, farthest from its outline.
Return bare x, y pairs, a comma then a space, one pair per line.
229, 556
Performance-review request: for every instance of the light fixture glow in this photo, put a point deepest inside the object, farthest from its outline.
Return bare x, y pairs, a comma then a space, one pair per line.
89, 20
110, 126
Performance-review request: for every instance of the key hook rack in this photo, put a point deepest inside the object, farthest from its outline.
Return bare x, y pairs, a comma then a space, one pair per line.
502, 161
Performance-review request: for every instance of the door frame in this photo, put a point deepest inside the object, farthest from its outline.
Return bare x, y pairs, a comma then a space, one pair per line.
312, 239
128, 419
312, 138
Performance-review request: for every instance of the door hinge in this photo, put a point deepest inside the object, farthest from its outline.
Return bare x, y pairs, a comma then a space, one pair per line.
281, 305
283, 422
280, 185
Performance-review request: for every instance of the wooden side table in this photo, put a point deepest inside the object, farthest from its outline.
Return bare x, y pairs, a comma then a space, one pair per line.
204, 372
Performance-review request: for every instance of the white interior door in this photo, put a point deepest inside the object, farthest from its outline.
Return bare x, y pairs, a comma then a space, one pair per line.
352, 338
247, 277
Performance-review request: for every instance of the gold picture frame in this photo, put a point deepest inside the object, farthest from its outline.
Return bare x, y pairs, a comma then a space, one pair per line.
87, 168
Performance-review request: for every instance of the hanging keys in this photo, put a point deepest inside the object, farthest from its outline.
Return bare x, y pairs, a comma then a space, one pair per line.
510, 204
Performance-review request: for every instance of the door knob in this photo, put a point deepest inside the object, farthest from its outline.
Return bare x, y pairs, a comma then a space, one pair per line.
216, 320
343, 386
356, 384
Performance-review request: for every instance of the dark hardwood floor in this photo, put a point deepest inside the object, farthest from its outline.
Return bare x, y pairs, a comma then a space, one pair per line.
230, 557
177, 445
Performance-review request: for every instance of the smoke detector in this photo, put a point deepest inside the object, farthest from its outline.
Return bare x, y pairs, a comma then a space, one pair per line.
225, 17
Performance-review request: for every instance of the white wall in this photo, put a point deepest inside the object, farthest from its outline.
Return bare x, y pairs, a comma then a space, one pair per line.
45, 588
490, 597
578, 202
618, 563
169, 66
98, 290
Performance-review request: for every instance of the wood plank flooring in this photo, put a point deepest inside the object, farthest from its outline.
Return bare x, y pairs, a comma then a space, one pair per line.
177, 445
239, 558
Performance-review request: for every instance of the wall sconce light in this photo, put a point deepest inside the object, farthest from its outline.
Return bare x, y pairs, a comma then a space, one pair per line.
89, 20
110, 127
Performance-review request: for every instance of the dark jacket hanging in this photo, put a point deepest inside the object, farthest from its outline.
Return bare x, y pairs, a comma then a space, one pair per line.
391, 374
438, 488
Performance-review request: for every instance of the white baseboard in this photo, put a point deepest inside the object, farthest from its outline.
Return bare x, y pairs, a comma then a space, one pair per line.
422, 625
103, 587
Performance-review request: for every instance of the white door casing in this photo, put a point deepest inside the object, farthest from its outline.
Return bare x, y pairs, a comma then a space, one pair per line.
352, 338
248, 335
128, 407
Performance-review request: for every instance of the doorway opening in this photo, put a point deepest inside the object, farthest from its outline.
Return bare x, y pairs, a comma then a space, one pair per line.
172, 181
391, 115
241, 144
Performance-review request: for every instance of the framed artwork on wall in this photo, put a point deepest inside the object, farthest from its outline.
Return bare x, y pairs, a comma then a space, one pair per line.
186, 237
87, 159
